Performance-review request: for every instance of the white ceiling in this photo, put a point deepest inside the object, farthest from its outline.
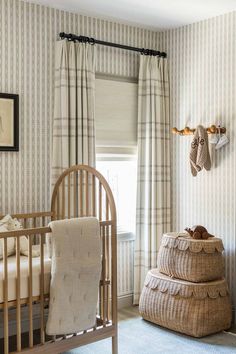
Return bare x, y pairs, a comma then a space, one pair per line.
157, 14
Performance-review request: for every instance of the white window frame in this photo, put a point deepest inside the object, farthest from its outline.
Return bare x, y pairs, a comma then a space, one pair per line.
122, 235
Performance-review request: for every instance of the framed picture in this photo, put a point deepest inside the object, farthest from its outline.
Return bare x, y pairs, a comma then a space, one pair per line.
9, 122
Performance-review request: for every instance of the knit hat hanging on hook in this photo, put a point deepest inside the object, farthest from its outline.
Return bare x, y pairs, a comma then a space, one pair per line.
222, 139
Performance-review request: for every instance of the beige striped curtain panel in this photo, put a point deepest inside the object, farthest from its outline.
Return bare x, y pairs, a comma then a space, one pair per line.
73, 128
153, 190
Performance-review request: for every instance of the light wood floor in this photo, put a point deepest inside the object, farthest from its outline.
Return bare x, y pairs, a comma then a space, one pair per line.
137, 336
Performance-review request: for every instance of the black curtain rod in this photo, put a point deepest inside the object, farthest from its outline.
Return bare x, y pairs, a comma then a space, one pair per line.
84, 39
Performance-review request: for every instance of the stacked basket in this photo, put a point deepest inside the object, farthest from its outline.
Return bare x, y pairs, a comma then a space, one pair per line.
187, 292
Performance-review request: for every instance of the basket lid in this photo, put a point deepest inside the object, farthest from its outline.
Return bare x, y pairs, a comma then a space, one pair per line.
184, 241
160, 282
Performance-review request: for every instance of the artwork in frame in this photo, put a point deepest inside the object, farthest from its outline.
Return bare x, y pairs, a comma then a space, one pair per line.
9, 122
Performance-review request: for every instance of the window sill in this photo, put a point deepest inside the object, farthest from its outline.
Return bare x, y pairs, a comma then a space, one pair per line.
125, 236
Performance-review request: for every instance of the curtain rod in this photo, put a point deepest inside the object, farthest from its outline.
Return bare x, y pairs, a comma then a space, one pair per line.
84, 39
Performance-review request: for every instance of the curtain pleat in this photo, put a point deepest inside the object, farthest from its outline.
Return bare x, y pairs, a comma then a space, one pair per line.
153, 213
73, 128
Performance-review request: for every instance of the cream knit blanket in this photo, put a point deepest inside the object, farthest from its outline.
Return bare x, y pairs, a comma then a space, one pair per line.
199, 153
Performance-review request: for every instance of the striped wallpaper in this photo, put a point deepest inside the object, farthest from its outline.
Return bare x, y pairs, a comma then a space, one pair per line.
28, 35
202, 61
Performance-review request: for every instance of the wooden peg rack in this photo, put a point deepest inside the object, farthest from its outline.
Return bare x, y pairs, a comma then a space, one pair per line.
213, 129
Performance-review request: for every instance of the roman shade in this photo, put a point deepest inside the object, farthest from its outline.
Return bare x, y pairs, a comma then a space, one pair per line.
116, 115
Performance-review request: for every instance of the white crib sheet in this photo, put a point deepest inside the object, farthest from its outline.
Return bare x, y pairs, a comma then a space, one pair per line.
24, 292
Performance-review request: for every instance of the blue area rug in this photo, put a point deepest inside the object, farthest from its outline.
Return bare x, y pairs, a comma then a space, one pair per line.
137, 336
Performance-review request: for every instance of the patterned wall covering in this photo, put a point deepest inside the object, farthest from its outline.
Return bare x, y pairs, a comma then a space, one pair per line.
28, 35
202, 61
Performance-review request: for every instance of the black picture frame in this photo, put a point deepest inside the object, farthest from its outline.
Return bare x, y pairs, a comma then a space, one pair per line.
14, 127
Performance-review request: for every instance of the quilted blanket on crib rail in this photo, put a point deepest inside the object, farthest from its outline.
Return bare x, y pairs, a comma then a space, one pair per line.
75, 274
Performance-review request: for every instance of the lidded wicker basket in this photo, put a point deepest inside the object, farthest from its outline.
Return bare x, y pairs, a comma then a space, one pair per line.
196, 309
180, 256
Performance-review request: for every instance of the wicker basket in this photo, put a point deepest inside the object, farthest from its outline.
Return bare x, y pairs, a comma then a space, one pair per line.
182, 257
194, 309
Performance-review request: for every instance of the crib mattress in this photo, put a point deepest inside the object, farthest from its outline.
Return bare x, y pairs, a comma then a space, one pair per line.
24, 292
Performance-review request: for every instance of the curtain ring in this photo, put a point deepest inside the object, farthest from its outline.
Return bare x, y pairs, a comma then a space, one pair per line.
70, 37
142, 51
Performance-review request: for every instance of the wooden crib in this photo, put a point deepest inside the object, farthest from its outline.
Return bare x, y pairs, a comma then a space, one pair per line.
80, 191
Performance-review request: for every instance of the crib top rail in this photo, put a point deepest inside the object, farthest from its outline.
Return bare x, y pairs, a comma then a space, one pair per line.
25, 232
34, 215
38, 230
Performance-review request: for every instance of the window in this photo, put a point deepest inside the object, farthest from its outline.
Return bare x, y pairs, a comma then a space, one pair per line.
120, 172
116, 145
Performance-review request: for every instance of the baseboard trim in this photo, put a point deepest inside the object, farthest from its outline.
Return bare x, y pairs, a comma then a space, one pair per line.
125, 301
234, 316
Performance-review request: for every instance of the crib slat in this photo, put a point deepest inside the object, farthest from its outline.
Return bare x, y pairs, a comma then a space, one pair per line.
101, 284
114, 273
108, 269
107, 208
104, 275
100, 201
106, 240
87, 193
106, 250
75, 179
18, 305
63, 199
94, 196
107, 302
81, 194
30, 275
34, 226
5, 293
100, 298
58, 204
68, 196
42, 334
